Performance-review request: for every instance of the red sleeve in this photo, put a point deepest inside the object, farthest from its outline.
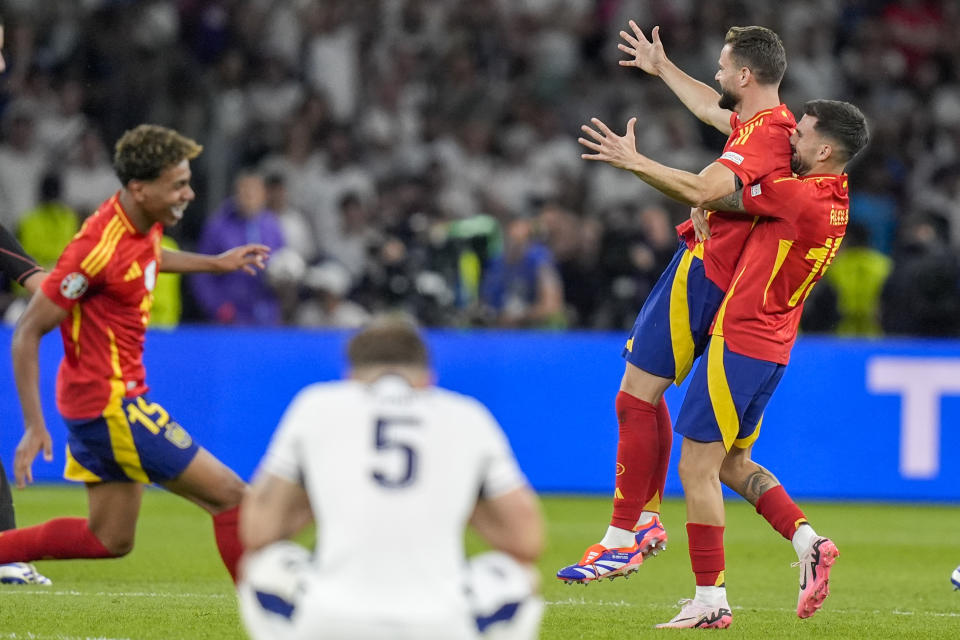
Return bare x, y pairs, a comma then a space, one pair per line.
77, 272
765, 152
783, 198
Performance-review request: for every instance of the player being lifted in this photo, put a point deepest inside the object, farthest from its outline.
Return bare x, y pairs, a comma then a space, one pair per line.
672, 328
100, 293
803, 222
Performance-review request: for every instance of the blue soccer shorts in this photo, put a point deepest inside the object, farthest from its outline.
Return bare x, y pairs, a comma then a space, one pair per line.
134, 440
727, 396
673, 326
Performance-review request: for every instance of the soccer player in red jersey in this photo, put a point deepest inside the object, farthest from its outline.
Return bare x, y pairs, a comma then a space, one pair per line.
673, 326
803, 223
100, 293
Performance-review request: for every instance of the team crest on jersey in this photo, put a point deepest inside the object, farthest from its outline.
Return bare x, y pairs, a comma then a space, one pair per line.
178, 435
150, 275
73, 285
755, 190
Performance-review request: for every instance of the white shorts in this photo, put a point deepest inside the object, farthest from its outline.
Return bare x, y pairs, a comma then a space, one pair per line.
278, 601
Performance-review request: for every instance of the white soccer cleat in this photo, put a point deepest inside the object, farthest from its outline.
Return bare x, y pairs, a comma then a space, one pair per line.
955, 579
22, 573
696, 615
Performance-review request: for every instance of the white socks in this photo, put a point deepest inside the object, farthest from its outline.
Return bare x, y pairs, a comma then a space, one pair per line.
803, 538
618, 538
645, 518
711, 596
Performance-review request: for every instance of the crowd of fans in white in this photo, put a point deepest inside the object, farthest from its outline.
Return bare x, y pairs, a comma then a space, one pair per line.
422, 154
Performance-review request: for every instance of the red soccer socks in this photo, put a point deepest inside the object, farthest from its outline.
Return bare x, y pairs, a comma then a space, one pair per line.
706, 553
227, 532
780, 511
61, 538
637, 450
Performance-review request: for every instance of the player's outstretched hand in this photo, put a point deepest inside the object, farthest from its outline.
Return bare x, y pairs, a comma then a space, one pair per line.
249, 257
647, 55
701, 226
33, 441
619, 151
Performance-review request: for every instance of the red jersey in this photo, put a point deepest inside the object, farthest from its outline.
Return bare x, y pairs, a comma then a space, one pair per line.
785, 255
105, 279
756, 149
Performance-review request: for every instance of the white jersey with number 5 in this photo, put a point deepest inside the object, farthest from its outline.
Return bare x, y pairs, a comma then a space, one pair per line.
393, 474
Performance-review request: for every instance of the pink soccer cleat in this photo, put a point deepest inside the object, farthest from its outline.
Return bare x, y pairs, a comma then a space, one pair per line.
696, 615
815, 576
652, 538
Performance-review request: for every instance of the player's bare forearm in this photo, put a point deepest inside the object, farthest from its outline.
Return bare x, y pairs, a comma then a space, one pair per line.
732, 203
273, 509
649, 56
249, 257
701, 99
511, 523
40, 317
620, 151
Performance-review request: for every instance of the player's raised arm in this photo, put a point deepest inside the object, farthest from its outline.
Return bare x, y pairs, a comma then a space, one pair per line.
694, 189
40, 317
249, 257
648, 55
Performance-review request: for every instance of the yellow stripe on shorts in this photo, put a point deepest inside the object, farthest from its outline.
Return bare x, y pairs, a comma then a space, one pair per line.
724, 410
681, 338
76, 472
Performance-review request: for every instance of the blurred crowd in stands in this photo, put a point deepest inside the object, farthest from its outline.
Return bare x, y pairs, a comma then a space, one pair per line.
421, 154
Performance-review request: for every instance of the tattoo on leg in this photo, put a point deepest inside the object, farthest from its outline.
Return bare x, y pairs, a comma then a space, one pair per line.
758, 483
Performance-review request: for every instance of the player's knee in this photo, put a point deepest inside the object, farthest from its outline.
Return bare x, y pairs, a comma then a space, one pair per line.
118, 546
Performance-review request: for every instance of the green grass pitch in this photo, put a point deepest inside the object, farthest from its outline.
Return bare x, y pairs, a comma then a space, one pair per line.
891, 580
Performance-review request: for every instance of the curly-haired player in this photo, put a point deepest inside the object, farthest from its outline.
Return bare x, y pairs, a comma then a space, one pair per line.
100, 293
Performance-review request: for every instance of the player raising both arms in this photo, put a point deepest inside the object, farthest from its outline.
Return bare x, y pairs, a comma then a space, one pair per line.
100, 293
672, 328
788, 251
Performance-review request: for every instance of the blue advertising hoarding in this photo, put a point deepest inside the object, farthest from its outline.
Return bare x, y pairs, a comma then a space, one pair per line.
852, 419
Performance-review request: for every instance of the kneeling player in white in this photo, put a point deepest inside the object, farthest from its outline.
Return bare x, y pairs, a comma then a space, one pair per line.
392, 469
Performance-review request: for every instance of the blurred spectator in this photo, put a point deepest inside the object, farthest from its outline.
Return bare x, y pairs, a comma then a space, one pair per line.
167, 302
922, 295
857, 276
327, 306
522, 287
239, 298
88, 174
45, 230
297, 234
22, 165
356, 237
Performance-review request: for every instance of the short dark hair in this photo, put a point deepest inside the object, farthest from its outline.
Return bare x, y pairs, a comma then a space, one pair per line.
387, 341
760, 50
144, 152
842, 122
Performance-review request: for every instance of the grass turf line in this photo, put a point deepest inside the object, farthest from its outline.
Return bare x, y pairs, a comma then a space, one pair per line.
891, 580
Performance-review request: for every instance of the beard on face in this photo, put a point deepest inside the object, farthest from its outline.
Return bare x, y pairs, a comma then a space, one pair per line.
728, 99
796, 164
